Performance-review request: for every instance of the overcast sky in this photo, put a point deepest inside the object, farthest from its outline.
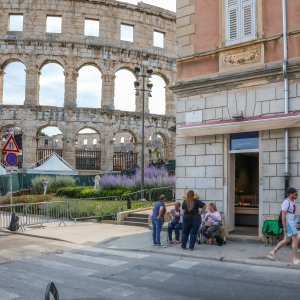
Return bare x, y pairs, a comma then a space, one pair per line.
167, 4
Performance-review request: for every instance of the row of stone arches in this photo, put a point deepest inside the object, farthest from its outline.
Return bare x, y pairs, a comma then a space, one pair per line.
88, 147
89, 87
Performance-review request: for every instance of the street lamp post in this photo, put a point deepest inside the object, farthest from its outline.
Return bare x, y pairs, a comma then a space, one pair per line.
143, 73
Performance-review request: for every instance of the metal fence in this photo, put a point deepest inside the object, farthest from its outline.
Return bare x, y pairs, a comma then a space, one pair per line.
35, 213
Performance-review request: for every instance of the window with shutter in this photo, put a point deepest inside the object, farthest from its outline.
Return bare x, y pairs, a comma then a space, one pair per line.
240, 20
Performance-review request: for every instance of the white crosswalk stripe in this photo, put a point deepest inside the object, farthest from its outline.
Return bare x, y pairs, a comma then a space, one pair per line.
4, 295
157, 276
62, 267
115, 252
93, 259
183, 264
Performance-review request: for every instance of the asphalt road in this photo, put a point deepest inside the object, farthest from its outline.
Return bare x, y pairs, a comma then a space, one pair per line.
107, 273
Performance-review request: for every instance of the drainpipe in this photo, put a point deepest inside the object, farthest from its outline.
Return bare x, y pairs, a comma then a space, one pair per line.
286, 94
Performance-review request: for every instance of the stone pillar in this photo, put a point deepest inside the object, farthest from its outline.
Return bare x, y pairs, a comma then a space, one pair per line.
32, 85
107, 151
69, 145
29, 145
1, 86
170, 101
139, 97
108, 91
71, 76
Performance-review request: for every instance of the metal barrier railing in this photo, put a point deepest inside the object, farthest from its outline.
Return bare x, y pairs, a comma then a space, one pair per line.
168, 191
34, 213
99, 208
142, 196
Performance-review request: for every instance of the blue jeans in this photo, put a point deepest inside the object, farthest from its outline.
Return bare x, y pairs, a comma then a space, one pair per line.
190, 228
156, 230
174, 226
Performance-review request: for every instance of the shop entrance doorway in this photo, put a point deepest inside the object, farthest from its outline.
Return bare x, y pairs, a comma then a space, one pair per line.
246, 193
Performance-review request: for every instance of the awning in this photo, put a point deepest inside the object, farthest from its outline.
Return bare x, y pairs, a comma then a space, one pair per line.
258, 123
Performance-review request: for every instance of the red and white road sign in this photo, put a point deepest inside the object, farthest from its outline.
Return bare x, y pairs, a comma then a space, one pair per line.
11, 145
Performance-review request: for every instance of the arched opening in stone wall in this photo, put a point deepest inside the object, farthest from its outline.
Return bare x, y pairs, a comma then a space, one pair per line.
52, 85
124, 90
88, 152
89, 87
157, 149
157, 103
50, 139
5, 133
125, 154
14, 83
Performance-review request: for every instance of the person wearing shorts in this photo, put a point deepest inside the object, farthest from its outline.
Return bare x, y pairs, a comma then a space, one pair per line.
288, 208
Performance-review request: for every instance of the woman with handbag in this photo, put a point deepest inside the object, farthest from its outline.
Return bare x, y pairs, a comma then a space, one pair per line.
191, 219
212, 222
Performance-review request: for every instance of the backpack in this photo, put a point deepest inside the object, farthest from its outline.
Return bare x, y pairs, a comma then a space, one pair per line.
14, 223
280, 225
219, 240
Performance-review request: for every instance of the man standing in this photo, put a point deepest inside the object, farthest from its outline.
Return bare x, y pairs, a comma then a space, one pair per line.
288, 209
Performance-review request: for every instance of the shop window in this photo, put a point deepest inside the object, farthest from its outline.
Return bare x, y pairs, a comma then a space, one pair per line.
15, 22
85, 141
127, 33
158, 39
53, 24
240, 21
244, 141
94, 141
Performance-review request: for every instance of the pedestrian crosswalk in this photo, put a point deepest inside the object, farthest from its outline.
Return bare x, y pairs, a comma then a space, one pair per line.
85, 269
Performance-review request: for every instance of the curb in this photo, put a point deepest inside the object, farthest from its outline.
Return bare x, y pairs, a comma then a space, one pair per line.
222, 259
36, 236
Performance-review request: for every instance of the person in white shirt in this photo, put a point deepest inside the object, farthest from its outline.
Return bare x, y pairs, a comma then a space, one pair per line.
97, 181
288, 209
175, 223
211, 222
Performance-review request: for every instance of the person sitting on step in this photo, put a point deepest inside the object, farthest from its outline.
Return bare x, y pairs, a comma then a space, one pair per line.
212, 222
175, 223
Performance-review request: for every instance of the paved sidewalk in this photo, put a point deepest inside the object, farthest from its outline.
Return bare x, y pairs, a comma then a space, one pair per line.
139, 239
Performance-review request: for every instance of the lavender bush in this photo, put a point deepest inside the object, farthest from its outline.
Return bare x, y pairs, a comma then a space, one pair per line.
154, 177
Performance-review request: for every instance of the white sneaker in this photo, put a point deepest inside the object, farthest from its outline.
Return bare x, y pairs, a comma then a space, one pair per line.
161, 246
296, 261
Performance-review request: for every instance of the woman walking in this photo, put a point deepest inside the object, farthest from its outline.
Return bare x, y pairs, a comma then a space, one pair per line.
157, 219
191, 219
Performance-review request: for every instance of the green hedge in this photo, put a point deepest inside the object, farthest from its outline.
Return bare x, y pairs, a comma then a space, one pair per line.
84, 192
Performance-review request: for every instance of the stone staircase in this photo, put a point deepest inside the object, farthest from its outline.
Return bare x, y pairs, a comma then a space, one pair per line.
136, 219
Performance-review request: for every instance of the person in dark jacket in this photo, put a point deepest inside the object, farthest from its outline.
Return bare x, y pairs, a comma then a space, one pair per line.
191, 219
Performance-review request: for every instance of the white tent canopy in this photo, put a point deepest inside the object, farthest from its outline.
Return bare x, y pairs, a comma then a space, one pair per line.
53, 165
2, 170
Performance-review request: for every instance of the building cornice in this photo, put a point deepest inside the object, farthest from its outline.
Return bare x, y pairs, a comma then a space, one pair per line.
235, 46
271, 73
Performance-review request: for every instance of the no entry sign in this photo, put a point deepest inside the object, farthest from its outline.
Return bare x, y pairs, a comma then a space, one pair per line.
11, 159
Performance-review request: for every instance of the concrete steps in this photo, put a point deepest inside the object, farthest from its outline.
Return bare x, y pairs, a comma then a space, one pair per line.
136, 219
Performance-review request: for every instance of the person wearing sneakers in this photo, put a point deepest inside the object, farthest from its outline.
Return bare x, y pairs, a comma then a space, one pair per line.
288, 209
157, 219
175, 223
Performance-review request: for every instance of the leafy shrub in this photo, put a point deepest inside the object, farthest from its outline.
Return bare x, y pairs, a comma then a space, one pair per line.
153, 177
84, 192
28, 199
54, 183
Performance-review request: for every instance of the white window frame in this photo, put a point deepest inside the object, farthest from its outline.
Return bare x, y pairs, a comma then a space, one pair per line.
156, 39
12, 26
123, 35
87, 23
49, 20
239, 6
